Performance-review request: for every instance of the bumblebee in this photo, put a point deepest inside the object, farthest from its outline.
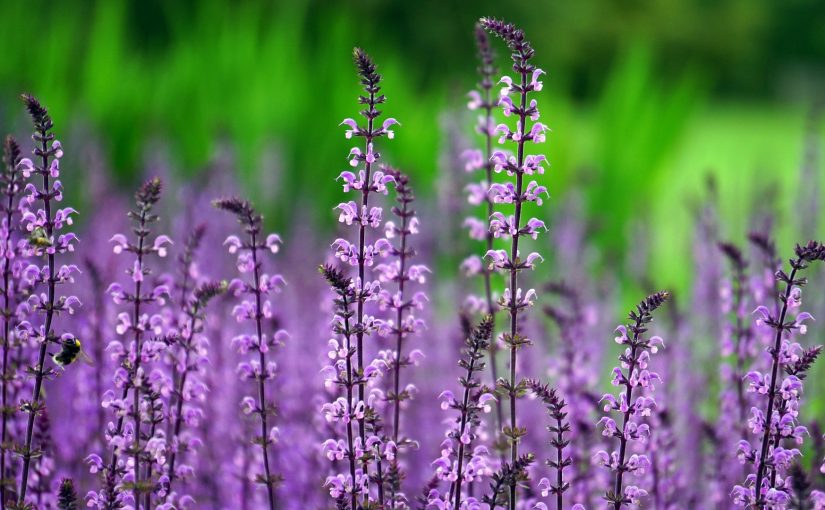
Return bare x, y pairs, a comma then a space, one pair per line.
39, 238
71, 350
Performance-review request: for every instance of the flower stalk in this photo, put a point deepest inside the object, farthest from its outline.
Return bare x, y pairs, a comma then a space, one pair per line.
11, 180
401, 305
482, 99
805, 255
632, 374
559, 428
187, 363
44, 242
256, 308
517, 193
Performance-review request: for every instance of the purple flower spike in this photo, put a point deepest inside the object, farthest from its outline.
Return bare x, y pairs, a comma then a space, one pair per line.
403, 321
459, 461
44, 241
633, 404
352, 327
187, 352
11, 180
515, 101
485, 191
781, 390
135, 376
255, 309
560, 428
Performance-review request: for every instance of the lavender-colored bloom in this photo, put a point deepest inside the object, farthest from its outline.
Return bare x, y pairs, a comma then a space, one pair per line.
778, 425
133, 375
343, 487
737, 337
255, 309
361, 254
559, 427
188, 353
401, 305
11, 180
45, 241
737, 349
483, 100
665, 482
514, 299
632, 373
459, 461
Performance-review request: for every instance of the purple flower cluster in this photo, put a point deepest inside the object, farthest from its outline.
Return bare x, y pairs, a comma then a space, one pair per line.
402, 321
374, 474
633, 404
44, 225
141, 327
11, 180
777, 429
460, 462
515, 100
253, 289
196, 399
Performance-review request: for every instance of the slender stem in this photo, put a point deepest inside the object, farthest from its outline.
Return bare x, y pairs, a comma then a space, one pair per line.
559, 462
141, 232
618, 488
379, 479
779, 326
777, 439
362, 234
487, 274
404, 213
349, 383
7, 315
522, 127
150, 462
41, 358
399, 317
187, 345
461, 429
262, 359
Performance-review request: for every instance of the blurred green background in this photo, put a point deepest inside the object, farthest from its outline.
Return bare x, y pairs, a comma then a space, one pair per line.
645, 98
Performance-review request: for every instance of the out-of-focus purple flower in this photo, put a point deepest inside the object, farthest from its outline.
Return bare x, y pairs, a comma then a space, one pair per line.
403, 320
188, 355
254, 307
480, 192
10, 180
